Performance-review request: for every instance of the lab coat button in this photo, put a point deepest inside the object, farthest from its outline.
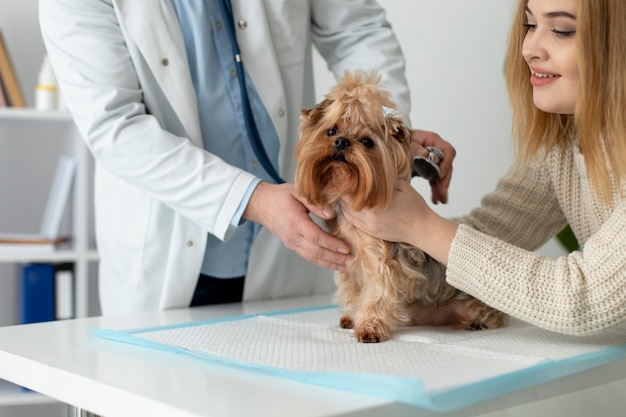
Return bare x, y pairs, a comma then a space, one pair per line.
190, 243
281, 112
165, 62
242, 24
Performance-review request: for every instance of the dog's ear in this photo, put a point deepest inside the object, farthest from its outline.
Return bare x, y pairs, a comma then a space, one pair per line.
398, 130
314, 115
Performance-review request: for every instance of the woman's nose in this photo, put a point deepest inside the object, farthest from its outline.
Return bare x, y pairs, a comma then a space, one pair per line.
532, 48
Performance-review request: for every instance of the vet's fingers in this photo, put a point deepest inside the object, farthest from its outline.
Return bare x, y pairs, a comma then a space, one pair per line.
445, 167
439, 186
419, 150
421, 139
324, 213
322, 248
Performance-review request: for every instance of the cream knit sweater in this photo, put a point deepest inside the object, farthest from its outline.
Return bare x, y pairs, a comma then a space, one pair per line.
492, 254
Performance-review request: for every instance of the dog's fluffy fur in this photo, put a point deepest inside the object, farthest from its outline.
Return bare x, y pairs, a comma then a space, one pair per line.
352, 144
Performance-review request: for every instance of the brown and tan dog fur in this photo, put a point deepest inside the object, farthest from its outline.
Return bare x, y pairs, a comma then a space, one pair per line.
352, 144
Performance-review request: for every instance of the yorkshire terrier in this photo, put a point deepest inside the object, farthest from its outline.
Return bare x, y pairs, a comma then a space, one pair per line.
352, 144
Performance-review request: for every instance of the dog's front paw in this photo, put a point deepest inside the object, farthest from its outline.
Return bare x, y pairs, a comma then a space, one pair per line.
346, 322
371, 334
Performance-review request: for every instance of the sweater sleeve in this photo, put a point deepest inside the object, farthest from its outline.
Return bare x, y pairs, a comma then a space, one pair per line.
581, 293
522, 210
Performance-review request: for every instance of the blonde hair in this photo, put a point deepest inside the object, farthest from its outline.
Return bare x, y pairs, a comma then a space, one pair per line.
599, 120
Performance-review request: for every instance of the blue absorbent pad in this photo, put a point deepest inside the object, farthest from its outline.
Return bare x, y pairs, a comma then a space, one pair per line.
436, 368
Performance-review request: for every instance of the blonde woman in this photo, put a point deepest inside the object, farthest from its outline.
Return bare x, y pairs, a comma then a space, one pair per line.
566, 76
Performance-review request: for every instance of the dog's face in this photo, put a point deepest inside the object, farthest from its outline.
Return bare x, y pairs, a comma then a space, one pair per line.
350, 146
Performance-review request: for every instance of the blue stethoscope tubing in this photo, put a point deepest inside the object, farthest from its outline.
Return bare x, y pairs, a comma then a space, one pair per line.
251, 128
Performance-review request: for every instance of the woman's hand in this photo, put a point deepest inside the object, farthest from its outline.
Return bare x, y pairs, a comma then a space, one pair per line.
439, 186
407, 219
399, 222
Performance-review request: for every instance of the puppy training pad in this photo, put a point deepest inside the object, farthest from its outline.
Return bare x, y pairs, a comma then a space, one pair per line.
431, 367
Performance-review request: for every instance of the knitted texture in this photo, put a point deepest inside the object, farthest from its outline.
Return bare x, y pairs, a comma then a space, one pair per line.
492, 254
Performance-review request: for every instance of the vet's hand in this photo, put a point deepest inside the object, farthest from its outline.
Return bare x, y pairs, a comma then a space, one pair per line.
439, 186
284, 214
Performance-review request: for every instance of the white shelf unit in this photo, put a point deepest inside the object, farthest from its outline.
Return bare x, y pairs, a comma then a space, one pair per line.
26, 139
14, 123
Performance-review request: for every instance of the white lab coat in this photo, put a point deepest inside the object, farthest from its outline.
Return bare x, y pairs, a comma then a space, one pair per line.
122, 68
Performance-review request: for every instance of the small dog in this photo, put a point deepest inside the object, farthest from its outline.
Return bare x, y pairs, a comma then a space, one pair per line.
352, 144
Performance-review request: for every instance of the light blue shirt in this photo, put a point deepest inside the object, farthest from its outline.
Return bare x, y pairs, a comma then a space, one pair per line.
213, 73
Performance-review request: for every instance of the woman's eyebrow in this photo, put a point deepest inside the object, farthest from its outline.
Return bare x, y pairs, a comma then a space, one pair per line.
552, 15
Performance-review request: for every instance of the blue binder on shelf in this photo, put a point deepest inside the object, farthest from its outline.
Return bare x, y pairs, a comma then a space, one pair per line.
38, 293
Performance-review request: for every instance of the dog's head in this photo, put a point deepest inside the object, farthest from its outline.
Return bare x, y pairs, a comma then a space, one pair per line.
351, 145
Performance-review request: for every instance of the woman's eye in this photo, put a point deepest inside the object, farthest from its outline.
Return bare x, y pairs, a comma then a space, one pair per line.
564, 33
331, 132
367, 142
560, 33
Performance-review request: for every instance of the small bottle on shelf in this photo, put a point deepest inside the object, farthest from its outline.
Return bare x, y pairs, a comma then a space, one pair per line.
46, 90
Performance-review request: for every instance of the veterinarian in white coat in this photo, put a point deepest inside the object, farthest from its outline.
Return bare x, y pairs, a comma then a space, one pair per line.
123, 71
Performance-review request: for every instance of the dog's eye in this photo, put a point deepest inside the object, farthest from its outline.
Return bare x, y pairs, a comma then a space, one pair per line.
332, 131
367, 142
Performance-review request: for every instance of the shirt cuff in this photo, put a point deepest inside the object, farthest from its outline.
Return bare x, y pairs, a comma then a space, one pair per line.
237, 219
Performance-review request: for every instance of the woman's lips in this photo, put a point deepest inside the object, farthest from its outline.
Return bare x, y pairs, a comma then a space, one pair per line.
539, 79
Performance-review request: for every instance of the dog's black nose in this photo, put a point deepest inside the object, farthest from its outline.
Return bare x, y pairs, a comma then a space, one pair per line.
341, 144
